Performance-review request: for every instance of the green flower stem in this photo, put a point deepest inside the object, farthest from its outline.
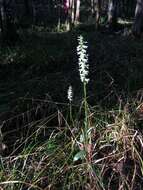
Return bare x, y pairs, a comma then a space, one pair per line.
86, 114
70, 105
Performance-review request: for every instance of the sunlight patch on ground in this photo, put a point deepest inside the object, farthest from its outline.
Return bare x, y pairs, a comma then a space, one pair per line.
125, 21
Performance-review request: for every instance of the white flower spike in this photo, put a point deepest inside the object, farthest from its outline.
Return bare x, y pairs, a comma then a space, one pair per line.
83, 59
70, 94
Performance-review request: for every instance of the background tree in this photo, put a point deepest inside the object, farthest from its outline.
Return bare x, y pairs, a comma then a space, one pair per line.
53, 13
112, 13
3, 19
97, 4
8, 29
138, 21
72, 12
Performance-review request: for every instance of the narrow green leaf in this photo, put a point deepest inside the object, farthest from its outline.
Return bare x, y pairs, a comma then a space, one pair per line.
80, 155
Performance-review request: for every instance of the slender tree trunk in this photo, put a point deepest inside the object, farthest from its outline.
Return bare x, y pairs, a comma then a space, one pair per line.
138, 22
73, 9
67, 13
112, 13
3, 19
97, 4
8, 29
95, 7
77, 12
92, 5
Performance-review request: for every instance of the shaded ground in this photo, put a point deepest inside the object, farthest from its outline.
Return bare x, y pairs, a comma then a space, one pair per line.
45, 64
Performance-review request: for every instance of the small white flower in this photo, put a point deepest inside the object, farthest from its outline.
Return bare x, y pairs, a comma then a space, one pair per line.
83, 59
70, 94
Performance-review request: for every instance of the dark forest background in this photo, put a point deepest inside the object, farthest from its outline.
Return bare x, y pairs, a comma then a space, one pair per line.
67, 14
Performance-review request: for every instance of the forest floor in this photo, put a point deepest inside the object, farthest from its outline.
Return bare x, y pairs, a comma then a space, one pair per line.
46, 63
36, 73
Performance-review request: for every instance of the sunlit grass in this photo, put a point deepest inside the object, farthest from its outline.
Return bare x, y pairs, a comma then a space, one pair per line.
115, 155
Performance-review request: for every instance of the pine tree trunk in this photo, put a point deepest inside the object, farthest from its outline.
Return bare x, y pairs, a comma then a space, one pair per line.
112, 13
3, 19
73, 12
138, 22
72, 7
66, 4
77, 12
8, 29
92, 5
97, 12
